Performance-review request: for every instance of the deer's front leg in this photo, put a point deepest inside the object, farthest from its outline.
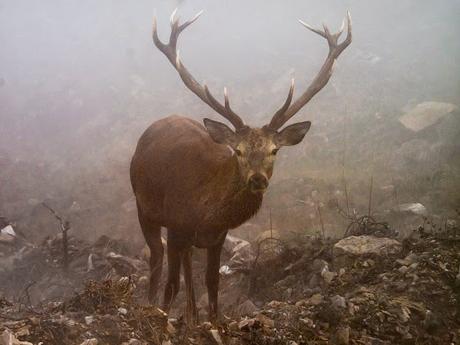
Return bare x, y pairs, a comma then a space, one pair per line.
191, 312
212, 279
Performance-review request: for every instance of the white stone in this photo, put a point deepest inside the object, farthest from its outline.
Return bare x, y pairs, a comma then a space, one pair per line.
366, 245
425, 114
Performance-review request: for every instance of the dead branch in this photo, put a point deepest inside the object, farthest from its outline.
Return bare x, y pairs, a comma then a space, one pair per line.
65, 226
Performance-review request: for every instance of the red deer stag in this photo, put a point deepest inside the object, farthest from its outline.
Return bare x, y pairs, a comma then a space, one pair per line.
186, 179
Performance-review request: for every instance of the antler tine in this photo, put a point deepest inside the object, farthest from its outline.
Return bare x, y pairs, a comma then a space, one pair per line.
280, 112
225, 111
170, 51
172, 19
227, 102
283, 115
341, 27
316, 31
348, 39
191, 21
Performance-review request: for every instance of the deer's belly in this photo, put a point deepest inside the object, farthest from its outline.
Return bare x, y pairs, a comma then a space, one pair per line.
200, 239
206, 240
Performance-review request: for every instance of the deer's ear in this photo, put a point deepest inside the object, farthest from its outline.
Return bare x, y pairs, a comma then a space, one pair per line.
221, 133
293, 134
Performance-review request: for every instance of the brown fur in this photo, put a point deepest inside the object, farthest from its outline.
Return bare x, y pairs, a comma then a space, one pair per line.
191, 185
186, 182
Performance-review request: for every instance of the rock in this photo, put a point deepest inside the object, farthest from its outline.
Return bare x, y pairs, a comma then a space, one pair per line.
366, 340
307, 321
123, 311
225, 270
90, 264
124, 266
338, 302
315, 299
246, 324
239, 249
342, 336
301, 303
288, 281
233, 326
246, 308
265, 320
357, 246
170, 326
8, 338
408, 260
89, 319
8, 230
413, 208
7, 234
425, 114
327, 275
143, 281
275, 304
133, 341
92, 341
413, 266
216, 336
318, 265
403, 269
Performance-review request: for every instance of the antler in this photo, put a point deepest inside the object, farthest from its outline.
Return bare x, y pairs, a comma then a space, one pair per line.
335, 49
201, 91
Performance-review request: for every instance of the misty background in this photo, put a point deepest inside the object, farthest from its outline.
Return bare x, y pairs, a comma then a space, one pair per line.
81, 80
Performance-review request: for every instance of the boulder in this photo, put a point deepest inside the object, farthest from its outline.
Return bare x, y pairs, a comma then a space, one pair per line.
7, 234
354, 247
426, 114
412, 208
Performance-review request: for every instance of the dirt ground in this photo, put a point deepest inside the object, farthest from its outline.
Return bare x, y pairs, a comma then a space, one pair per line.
363, 289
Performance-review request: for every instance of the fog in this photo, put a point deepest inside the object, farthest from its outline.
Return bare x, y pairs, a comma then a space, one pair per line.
81, 80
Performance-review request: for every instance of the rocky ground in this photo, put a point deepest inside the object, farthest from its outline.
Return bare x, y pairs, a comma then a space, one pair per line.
363, 289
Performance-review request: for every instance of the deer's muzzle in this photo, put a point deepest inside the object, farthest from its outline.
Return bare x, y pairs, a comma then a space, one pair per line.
258, 183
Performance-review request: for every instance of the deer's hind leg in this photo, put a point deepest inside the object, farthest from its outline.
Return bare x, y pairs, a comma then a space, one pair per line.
191, 313
152, 234
212, 278
175, 254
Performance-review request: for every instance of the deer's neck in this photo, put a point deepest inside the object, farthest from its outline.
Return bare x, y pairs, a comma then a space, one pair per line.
236, 202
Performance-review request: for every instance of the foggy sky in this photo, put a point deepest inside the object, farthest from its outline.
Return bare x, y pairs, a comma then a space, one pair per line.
88, 48
80, 80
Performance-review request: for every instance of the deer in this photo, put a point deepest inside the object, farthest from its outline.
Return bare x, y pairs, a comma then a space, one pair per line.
200, 181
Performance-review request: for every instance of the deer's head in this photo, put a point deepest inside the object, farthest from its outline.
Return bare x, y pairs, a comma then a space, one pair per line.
255, 148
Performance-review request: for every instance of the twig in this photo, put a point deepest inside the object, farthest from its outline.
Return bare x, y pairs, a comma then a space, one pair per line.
26, 290
253, 268
318, 208
371, 187
344, 180
65, 226
371, 184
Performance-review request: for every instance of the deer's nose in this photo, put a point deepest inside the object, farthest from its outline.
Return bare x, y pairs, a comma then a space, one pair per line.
258, 182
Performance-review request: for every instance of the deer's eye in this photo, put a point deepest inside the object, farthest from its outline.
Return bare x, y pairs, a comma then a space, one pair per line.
274, 151
238, 152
